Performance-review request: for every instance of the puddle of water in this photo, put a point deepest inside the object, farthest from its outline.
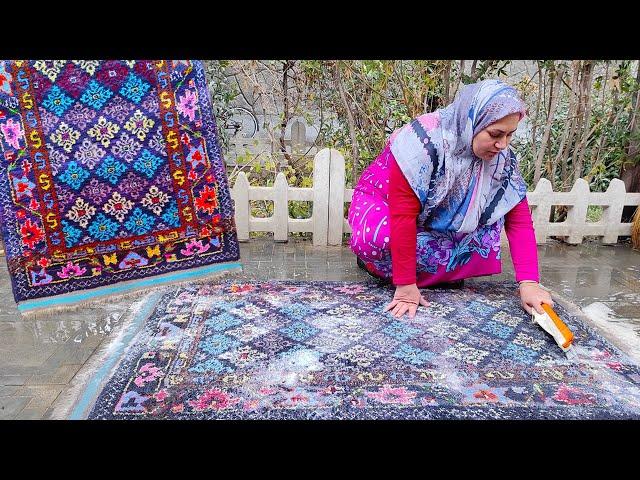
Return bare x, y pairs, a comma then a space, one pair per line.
77, 331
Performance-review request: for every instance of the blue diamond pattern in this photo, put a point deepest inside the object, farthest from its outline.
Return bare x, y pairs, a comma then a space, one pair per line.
147, 163
222, 322
111, 170
211, 365
170, 215
139, 222
520, 353
134, 88
400, 331
103, 228
480, 308
74, 175
497, 329
57, 101
95, 95
299, 331
413, 355
219, 343
71, 234
297, 310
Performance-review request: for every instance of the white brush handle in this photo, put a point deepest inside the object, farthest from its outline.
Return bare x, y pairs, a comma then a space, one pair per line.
550, 327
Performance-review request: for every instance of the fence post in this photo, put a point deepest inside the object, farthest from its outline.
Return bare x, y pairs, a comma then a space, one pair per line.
320, 212
280, 208
336, 198
240, 196
577, 214
616, 194
541, 199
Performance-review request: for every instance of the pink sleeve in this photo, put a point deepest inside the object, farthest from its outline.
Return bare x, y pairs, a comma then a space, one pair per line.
405, 208
522, 242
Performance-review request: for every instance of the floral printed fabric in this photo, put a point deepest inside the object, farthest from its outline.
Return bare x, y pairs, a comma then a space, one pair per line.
459, 191
439, 254
324, 350
109, 171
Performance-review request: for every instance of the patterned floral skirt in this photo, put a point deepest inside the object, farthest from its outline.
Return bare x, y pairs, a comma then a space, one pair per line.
441, 256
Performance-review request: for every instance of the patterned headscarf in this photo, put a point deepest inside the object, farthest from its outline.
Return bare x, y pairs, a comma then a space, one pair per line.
458, 190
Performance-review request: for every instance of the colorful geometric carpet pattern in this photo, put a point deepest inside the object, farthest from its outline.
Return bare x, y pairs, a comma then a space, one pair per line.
110, 171
325, 350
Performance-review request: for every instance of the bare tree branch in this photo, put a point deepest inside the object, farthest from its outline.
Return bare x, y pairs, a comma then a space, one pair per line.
351, 121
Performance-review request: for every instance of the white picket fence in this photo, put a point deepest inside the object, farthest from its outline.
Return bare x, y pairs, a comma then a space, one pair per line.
325, 164
329, 194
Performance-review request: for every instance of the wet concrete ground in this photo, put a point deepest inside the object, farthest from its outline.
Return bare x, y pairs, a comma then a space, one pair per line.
39, 358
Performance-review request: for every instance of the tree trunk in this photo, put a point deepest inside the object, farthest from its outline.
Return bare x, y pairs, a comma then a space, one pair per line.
574, 139
633, 148
285, 92
587, 85
574, 106
472, 74
595, 156
352, 125
567, 127
631, 177
447, 81
460, 73
630, 172
553, 103
536, 114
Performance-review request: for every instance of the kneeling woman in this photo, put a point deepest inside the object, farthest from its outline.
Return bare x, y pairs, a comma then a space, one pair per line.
430, 209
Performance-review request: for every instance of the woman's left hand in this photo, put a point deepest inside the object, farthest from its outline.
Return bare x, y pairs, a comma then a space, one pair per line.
532, 295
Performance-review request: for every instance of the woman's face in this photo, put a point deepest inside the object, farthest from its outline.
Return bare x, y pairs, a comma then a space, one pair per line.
496, 137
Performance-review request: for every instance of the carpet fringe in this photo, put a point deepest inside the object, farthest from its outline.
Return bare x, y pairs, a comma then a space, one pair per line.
68, 399
47, 312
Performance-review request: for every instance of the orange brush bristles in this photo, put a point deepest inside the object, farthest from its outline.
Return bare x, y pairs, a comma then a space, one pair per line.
566, 333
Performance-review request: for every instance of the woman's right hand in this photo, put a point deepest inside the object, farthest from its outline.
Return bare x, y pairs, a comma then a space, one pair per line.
406, 299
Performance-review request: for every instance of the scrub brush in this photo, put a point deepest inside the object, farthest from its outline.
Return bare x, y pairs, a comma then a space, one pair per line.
551, 323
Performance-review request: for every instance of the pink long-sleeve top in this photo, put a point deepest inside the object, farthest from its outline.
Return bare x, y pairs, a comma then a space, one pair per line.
405, 207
